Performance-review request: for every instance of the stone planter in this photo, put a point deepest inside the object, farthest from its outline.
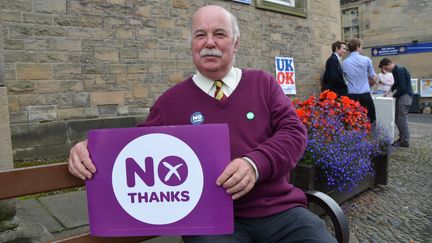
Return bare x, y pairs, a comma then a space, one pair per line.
381, 165
307, 178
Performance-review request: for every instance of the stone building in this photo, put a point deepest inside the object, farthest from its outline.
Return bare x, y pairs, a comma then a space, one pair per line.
398, 26
73, 65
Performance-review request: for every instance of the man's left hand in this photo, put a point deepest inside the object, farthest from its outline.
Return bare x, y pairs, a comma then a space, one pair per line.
238, 178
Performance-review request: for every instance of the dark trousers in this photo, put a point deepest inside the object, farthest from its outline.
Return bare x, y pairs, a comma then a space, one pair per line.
366, 101
294, 225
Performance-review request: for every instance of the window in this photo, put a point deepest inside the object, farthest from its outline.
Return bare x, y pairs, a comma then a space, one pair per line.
350, 24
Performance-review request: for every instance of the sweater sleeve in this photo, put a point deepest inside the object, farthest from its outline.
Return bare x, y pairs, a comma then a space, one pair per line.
154, 118
279, 154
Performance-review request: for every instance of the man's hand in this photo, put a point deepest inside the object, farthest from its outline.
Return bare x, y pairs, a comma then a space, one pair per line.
80, 164
238, 178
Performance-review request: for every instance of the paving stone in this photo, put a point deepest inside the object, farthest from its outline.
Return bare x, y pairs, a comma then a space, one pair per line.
68, 208
32, 210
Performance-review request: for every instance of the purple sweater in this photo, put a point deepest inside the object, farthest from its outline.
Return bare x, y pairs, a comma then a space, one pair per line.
274, 139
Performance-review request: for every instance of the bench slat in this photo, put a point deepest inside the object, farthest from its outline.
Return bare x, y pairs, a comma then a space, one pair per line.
36, 179
86, 238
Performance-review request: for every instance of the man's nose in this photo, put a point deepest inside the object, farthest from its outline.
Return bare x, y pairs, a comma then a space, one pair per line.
210, 41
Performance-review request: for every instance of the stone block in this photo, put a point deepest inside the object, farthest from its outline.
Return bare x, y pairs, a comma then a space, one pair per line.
10, 16
71, 113
140, 91
93, 69
33, 71
13, 104
24, 154
116, 68
18, 5
143, 11
36, 45
43, 30
62, 100
125, 34
80, 57
107, 110
112, 22
24, 136
50, 6
107, 98
64, 44
21, 86
13, 44
90, 21
67, 68
18, 117
37, 18
66, 20
106, 54
20, 31
42, 113
176, 77
54, 152
49, 86
77, 130
183, 4
81, 99
31, 99
128, 78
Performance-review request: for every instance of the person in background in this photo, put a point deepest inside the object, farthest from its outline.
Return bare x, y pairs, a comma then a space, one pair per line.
385, 82
360, 75
333, 75
404, 92
267, 138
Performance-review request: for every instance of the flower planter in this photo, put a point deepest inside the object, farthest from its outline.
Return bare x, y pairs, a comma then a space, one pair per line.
307, 177
380, 164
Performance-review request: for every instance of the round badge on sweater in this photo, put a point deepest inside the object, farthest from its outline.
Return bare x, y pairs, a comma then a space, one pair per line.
197, 118
250, 115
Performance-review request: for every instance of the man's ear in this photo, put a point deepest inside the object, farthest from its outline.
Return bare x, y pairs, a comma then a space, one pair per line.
236, 44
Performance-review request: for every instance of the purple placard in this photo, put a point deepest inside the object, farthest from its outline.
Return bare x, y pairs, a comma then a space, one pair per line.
159, 181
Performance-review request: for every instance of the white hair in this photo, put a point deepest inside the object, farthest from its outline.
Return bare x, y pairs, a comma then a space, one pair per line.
234, 26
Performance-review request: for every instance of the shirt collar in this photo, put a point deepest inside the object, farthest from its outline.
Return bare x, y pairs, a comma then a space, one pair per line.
231, 80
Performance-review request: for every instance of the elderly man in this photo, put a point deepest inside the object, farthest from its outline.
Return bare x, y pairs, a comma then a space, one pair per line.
267, 138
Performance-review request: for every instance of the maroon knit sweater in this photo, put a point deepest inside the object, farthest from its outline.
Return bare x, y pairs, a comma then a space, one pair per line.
274, 139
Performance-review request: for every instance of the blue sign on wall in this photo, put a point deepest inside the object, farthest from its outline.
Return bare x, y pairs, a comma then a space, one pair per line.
402, 49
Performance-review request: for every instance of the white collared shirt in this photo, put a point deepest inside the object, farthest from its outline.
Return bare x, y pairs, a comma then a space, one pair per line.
231, 80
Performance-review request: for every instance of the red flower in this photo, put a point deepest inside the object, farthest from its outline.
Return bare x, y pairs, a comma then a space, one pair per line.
316, 113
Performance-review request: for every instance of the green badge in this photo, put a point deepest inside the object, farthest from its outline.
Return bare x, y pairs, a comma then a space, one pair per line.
250, 115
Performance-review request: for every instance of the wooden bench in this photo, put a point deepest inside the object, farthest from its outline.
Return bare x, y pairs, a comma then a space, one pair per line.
45, 178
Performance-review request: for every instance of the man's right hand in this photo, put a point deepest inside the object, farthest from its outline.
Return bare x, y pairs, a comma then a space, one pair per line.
80, 164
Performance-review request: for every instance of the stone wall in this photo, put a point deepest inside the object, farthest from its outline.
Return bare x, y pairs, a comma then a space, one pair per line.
73, 64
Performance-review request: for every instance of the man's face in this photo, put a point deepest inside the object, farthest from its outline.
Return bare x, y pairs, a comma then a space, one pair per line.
213, 46
341, 51
389, 68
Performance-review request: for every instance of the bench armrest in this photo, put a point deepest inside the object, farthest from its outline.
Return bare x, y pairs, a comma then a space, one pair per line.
332, 209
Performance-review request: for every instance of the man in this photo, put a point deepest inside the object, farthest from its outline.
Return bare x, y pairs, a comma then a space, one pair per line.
267, 138
333, 75
403, 95
360, 74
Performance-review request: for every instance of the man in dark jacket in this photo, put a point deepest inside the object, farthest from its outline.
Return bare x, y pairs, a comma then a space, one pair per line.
333, 75
403, 95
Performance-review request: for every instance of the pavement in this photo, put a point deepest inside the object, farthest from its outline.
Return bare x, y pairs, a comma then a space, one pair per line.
398, 212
